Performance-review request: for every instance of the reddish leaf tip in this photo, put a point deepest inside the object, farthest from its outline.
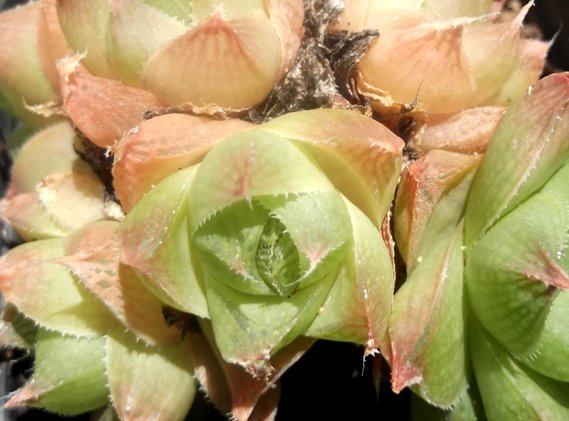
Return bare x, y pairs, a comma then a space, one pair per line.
403, 373
548, 271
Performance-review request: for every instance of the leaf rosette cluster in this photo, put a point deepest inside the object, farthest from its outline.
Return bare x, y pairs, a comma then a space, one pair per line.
275, 234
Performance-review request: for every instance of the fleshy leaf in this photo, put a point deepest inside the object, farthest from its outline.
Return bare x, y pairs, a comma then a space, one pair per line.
129, 44
250, 319
30, 219
75, 198
358, 305
69, 375
180, 9
526, 71
48, 152
162, 145
467, 132
45, 292
529, 146
229, 386
276, 258
155, 243
52, 44
85, 25
94, 260
482, 42
240, 61
515, 274
16, 330
136, 372
21, 75
468, 408
511, 391
438, 177
361, 157
229, 9
410, 42
251, 164
103, 109
426, 327
444, 9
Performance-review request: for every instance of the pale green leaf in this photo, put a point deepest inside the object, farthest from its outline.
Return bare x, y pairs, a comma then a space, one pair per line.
69, 375
155, 242
138, 375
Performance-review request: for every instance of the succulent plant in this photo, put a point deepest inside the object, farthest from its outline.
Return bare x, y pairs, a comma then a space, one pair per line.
459, 40
170, 241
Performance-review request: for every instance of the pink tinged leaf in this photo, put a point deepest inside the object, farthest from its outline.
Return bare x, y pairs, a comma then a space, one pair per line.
497, 6
467, 132
30, 219
94, 260
161, 146
61, 202
482, 43
287, 18
252, 164
52, 44
136, 372
423, 184
9, 338
361, 157
517, 279
129, 44
526, 71
229, 386
69, 375
426, 328
155, 243
74, 198
239, 63
359, 303
544, 268
84, 24
409, 42
450, 9
102, 109
45, 292
528, 146
48, 152
22, 78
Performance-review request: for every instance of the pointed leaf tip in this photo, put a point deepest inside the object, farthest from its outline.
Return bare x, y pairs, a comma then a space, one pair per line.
403, 373
547, 271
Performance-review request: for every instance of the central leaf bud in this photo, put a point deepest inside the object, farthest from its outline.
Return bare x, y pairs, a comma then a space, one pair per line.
277, 258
